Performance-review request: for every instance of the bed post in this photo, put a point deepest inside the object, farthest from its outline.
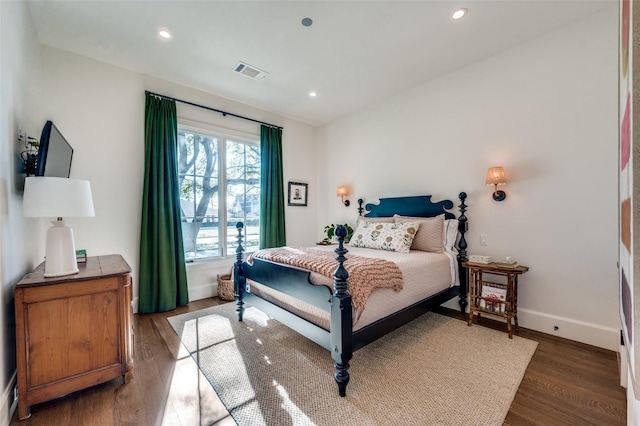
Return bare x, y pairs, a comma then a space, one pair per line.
462, 254
341, 317
239, 279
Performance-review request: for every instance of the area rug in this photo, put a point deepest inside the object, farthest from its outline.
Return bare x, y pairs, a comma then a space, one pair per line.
433, 371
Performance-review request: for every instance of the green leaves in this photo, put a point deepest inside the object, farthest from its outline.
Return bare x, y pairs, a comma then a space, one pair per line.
329, 230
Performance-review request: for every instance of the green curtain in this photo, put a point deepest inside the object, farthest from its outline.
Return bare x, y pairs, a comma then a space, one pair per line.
272, 232
163, 274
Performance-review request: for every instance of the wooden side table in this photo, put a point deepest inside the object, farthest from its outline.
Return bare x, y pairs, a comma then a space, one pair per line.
74, 331
494, 298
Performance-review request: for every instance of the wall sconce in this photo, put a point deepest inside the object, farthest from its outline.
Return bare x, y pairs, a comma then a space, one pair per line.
343, 191
495, 177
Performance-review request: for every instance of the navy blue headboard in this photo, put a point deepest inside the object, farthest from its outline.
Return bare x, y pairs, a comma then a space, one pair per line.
418, 206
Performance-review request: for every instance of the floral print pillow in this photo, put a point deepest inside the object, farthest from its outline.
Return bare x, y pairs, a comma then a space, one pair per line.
385, 236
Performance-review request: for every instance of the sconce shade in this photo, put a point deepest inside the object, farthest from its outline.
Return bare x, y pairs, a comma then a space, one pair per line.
495, 176
58, 197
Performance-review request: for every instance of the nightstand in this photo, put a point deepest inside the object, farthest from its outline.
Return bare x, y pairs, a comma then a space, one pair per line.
498, 299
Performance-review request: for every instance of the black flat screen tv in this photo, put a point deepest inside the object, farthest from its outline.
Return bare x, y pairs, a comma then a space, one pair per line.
55, 154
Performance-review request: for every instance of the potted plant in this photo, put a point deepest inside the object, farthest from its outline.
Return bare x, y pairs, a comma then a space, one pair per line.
329, 231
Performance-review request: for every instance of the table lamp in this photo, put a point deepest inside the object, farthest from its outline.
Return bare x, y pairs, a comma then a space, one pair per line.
58, 197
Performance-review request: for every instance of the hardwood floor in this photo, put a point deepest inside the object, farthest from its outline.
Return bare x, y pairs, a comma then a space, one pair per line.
566, 383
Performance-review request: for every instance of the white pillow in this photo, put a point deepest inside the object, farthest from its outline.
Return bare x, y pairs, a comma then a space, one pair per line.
385, 236
450, 235
430, 236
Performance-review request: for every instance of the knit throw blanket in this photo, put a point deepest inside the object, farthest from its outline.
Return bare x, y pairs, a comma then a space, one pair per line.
365, 274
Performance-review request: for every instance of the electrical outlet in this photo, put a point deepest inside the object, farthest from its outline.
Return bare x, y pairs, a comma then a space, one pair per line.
483, 240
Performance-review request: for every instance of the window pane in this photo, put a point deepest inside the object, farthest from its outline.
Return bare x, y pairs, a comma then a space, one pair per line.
209, 220
198, 174
243, 193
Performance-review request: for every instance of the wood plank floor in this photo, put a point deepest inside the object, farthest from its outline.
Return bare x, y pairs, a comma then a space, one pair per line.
566, 383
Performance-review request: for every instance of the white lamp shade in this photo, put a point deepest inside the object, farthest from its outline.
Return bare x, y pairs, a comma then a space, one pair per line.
57, 197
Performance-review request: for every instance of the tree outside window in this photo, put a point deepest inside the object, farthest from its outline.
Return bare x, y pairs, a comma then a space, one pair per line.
219, 186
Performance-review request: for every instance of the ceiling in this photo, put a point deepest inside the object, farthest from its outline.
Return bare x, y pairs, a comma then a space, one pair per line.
354, 54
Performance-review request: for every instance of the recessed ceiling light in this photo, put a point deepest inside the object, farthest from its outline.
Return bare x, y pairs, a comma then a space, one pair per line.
164, 33
458, 14
307, 22
313, 94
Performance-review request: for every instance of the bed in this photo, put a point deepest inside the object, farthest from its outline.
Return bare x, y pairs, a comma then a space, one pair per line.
326, 311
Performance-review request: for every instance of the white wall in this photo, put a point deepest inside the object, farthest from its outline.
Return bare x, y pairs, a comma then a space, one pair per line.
19, 238
547, 112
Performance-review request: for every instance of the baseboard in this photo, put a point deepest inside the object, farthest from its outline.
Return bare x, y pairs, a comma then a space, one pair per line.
9, 403
580, 331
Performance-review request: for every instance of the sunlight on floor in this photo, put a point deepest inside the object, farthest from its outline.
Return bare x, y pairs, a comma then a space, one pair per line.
199, 345
298, 417
258, 317
183, 384
208, 343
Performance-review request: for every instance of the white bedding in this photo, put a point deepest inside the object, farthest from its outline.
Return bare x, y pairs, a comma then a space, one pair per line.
424, 274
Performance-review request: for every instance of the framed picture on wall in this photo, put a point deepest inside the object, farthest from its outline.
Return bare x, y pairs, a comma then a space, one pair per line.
297, 194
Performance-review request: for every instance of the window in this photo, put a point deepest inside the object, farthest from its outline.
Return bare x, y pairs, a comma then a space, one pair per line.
219, 187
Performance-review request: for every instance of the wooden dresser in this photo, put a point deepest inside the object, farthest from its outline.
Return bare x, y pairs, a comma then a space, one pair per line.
73, 332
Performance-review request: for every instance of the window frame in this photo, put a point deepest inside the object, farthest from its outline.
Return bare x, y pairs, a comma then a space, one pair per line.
223, 135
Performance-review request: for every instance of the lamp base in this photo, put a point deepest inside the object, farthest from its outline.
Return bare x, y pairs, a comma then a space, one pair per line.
499, 195
60, 257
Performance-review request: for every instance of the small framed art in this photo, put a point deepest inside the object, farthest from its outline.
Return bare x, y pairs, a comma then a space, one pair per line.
297, 194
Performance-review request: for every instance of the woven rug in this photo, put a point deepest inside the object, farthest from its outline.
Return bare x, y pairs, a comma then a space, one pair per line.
433, 371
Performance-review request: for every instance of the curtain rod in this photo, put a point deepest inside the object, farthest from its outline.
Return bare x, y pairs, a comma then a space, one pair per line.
224, 113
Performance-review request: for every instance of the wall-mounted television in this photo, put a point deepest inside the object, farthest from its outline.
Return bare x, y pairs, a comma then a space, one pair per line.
55, 154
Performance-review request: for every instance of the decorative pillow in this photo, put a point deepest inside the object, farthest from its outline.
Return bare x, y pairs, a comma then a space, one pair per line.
385, 236
430, 236
450, 235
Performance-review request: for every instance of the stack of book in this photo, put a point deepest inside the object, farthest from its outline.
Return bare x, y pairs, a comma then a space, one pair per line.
478, 258
81, 256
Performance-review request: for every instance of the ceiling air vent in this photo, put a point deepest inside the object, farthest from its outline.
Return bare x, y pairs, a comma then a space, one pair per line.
250, 71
